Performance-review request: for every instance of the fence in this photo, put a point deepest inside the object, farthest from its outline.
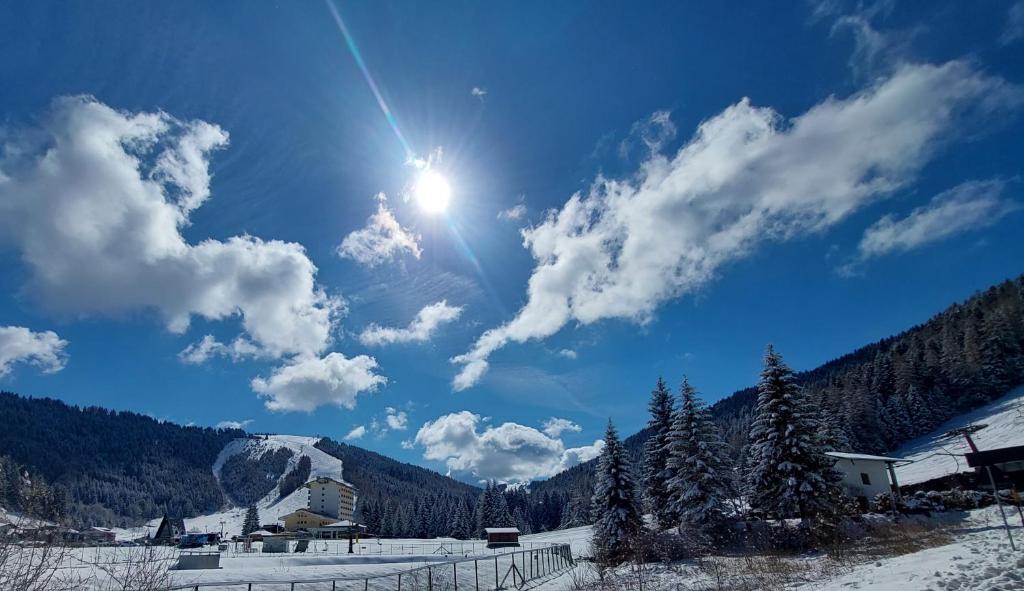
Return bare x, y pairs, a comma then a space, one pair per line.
339, 547
509, 570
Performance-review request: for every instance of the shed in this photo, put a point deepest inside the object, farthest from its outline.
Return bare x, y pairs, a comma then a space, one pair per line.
866, 476
500, 537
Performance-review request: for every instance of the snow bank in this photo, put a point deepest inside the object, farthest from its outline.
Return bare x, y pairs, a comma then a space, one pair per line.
935, 456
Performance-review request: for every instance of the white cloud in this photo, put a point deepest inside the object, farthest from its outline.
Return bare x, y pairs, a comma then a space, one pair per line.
208, 347
234, 424
44, 350
382, 240
1014, 30
356, 433
309, 383
397, 420
568, 353
507, 453
555, 426
421, 329
968, 206
478, 92
94, 201
514, 213
746, 176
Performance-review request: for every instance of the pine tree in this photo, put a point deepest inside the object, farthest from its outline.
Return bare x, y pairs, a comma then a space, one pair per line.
790, 476
699, 487
617, 518
252, 521
577, 511
656, 456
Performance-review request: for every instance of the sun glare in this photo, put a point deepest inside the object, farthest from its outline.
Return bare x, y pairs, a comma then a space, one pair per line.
432, 192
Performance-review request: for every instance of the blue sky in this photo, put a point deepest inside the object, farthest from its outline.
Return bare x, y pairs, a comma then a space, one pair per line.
206, 216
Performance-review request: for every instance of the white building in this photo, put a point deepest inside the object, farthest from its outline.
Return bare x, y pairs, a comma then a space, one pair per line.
330, 501
865, 476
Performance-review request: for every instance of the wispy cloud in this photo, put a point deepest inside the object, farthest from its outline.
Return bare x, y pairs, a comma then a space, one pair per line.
478, 92
514, 213
234, 424
356, 433
381, 240
1014, 29
747, 176
555, 426
44, 350
420, 330
968, 206
568, 353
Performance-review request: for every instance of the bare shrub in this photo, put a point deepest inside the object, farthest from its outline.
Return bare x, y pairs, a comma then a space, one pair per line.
34, 565
139, 568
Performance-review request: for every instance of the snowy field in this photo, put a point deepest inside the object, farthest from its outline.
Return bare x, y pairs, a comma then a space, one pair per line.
935, 456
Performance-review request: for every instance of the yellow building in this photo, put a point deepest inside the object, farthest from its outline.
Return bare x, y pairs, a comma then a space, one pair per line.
329, 501
305, 519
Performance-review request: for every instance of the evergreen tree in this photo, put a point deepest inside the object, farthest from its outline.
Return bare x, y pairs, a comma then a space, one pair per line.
577, 511
656, 456
699, 487
252, 521
790, 476
617, 518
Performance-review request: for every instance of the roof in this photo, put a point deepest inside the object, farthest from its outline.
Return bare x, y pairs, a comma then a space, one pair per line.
501, 530
864, 457
989, 457
261, 532
323, 479
343, 523
306, 511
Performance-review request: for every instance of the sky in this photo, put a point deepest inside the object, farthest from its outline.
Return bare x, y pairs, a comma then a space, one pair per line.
467, 234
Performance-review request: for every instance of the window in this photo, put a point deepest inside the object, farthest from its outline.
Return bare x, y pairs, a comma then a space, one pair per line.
865, 479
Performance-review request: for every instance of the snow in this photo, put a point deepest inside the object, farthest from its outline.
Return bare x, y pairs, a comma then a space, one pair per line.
270, 508
866, 457
979, 558
935, 456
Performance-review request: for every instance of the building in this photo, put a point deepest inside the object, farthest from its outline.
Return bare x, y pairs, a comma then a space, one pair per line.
98, 535
500, 537
331, 497
306, 519
865, 476
339, 530
169, 530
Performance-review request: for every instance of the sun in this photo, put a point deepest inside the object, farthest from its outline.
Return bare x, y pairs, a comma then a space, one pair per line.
432, 192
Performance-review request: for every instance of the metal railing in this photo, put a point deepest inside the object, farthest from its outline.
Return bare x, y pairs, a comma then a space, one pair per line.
486, 573
339, 547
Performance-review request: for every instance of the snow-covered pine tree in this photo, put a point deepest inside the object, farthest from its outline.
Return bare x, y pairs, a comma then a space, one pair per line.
656, 454
521, 522
617, 517
252, 520
790, 476
577, 511
699, 487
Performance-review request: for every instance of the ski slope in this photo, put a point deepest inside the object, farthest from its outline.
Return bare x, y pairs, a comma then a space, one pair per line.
935, 456
270, 507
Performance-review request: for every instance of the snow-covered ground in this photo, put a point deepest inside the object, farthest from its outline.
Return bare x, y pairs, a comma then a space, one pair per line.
935, 456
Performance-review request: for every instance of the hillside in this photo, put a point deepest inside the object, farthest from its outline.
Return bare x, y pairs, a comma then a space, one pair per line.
101, 467
112, 468
894, 390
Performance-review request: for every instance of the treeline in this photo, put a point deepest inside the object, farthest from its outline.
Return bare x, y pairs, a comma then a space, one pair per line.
30, 495
114, 468
885, 393
247, 478
696, 492
904, 386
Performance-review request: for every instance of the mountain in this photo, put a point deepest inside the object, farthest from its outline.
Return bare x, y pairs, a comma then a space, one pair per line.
93, 466
893, 390
110, 467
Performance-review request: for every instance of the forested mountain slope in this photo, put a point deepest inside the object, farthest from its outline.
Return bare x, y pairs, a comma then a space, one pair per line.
108, 467
891, 391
